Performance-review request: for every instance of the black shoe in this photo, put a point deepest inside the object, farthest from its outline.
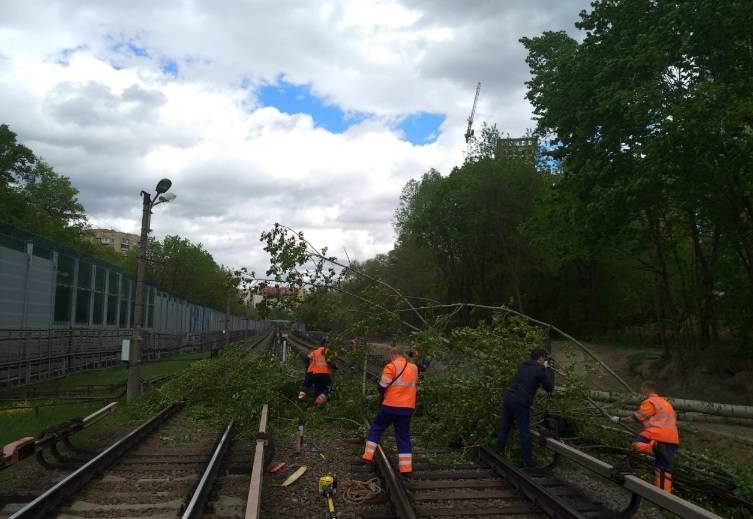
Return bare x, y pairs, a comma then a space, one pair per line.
361, 461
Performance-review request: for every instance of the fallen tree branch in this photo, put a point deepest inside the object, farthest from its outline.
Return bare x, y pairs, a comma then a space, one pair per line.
508, 310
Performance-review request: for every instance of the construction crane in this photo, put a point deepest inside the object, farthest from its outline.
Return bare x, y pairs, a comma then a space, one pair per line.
469, 131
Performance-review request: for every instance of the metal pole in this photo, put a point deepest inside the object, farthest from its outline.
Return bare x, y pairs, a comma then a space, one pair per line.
134, 386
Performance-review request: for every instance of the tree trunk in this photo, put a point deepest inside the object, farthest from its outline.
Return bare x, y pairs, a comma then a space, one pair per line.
680, 404
707, 319
700, 417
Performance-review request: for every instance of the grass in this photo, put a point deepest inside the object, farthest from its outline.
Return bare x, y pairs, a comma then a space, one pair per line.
115, 375
17, 423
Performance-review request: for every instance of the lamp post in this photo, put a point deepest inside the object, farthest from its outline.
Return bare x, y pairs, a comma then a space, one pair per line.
133, 388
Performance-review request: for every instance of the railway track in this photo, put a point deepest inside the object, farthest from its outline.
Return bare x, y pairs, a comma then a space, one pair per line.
488, 488
259, 343
491, 487
169, 466
153, 470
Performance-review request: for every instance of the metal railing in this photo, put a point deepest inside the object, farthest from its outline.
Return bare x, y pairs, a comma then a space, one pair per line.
638, 488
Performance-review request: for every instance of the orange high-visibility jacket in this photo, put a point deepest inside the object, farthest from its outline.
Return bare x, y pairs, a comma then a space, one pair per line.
401, 388
318, 363
658, 419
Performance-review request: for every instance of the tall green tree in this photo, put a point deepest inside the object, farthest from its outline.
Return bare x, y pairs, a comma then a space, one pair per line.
652, 113
35, 197
471, 221
188, 270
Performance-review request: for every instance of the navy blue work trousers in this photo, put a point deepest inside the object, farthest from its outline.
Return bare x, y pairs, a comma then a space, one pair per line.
321, 382
519, 412
400, 417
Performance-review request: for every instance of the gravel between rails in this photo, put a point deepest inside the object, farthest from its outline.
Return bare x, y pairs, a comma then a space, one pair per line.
333, 455
230, 492
153, 479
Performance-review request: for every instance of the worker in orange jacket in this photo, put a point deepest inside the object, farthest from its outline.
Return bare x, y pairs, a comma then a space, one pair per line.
659, 437
397, 385
318, 374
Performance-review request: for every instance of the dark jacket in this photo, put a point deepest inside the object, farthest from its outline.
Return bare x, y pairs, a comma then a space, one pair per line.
530, 376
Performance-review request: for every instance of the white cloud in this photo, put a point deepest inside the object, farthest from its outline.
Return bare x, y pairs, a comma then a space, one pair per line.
115, 122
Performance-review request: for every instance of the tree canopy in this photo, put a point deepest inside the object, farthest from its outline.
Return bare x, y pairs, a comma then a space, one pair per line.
652, 116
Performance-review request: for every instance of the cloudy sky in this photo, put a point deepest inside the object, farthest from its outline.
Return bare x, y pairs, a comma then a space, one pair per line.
309, 113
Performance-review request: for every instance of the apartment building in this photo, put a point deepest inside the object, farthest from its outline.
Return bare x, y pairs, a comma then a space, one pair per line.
121, 242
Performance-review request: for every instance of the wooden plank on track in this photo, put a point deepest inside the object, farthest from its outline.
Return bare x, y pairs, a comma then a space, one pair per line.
253, 505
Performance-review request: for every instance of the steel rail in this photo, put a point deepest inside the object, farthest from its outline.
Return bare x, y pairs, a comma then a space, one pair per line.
637, 487
41, 505
198, 500
253, 504
554, 506
261, 340
398, 494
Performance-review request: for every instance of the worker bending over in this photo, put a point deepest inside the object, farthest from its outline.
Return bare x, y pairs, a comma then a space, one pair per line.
397, 386
659, 437
318, 374
532, 374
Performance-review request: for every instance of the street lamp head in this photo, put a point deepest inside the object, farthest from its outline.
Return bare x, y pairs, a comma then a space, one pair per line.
167, 197
163, 186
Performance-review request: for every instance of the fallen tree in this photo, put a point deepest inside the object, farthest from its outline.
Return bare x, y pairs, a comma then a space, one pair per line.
700, 418
681, 404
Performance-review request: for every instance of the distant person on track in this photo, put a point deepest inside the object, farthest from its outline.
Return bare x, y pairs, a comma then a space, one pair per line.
397, 386
318, 375
532, 374
659, 437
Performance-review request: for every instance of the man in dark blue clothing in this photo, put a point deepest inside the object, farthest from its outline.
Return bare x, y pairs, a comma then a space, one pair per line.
532, 374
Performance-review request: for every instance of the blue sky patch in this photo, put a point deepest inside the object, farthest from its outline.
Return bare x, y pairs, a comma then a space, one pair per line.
419, 128
422, 127
297, 99
544, 160
170, 67
128, 47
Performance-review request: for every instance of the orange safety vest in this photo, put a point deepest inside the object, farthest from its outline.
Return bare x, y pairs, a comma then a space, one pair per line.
318, 363
658, 419
400, 383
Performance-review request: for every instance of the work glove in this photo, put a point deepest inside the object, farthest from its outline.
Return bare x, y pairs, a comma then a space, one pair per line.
615, 419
